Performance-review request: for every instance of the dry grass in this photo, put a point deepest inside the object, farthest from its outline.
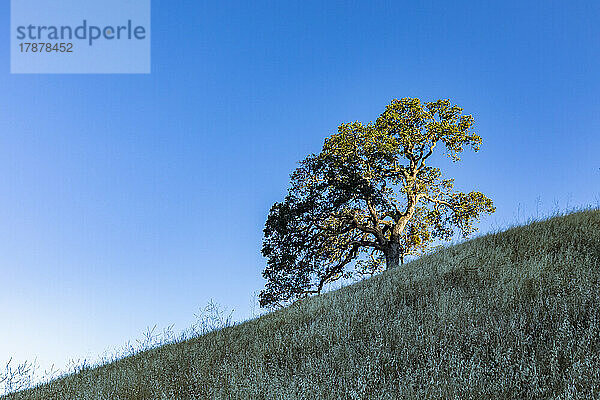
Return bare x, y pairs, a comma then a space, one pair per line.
507, 315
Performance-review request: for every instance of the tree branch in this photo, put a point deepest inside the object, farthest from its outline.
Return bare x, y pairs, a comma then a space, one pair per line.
366, 228
437, 201
366, 243
429, 153
338, 268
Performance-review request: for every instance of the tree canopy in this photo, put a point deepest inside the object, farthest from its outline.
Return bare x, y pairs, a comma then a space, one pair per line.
369, 198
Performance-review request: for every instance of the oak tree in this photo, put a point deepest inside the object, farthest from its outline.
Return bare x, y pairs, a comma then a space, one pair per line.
369, 198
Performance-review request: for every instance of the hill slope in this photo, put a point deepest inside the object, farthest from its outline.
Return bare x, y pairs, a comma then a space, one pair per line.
508, 315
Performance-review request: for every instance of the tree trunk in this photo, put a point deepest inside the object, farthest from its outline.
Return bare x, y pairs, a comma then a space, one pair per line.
392, 256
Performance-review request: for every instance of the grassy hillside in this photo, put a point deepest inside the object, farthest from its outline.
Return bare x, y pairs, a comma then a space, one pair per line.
505, 316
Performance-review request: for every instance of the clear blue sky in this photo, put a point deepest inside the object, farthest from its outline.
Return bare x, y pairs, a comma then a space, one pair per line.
131, 200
